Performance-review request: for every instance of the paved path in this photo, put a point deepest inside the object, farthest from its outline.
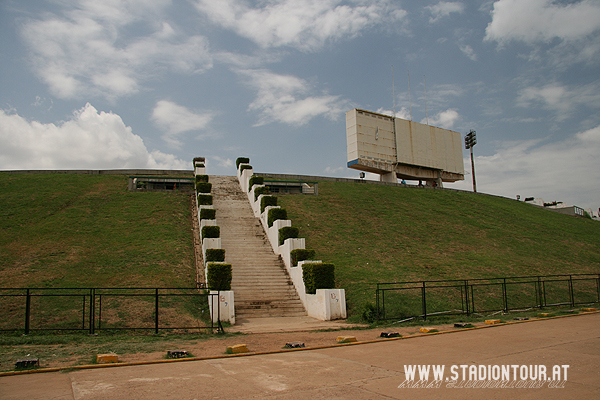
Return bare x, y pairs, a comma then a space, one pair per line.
365, 371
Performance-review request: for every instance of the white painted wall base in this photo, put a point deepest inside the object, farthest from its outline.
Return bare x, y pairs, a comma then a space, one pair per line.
222, 305
327, 304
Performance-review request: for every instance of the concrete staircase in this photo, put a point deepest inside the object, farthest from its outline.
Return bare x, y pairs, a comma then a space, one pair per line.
261, 285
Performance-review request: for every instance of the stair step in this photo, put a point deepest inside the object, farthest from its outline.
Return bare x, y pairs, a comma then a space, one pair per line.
260, 282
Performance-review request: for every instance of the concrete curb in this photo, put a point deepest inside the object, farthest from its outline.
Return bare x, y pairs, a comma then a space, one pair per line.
128, 364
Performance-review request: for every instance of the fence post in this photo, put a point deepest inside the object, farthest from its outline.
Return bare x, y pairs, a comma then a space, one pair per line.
83, 314
504, 295
92, 310
156, 311
541, 287
27, 311
571, 291
377, 301
424, 302
467, 297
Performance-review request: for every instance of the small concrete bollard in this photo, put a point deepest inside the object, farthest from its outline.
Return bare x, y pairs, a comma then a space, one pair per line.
544, 315
107, 358
238, 348
389, 334
346, 339
492, 321
294, 345
27, 363
177, 353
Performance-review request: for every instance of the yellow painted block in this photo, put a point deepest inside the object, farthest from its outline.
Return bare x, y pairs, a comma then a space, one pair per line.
238, 348
346, 339
427, 330
588, 309
543, 314
107, 358
492, 321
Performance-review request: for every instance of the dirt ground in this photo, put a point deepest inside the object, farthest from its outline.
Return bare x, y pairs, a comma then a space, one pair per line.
216, 345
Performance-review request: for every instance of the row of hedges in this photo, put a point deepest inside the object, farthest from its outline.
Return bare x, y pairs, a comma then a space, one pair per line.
218, 274
315, 275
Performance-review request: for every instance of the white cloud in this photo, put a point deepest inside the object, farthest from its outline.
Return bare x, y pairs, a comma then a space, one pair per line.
85, 50
469, 52
561, 171
304, 24
403, 113
561, 99
89, 140
443, 119
287, 99
222, 162
444, 9
174, 119
542, 20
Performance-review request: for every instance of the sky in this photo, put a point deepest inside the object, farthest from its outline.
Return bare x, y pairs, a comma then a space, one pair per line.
87, 84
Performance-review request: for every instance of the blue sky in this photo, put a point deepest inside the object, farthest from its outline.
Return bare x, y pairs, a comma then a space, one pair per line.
153, 83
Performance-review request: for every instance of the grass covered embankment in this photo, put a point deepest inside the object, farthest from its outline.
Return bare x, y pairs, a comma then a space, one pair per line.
375, 233
76, 230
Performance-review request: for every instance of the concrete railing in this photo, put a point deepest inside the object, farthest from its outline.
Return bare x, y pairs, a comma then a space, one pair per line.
222, 309
326, 304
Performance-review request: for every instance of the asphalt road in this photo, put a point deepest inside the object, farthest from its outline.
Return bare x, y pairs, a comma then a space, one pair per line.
364, 371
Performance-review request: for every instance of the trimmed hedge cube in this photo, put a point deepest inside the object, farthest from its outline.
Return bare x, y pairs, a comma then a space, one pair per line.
298, 255
205, 199
267, 201
318, 276
218, 276
245, 166
241, 160
275, 214
203, 187
255, 180
260, 190
201, 178
287, 232
207, 213
211, 231
215, 255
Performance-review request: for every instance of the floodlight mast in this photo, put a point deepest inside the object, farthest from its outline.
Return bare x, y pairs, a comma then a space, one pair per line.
470, 141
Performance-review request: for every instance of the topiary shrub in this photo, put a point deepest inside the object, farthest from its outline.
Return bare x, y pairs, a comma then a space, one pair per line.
255, 180
203, 187
318, 276
267, 201
241, 160
205, 199
211, 231
201, 178
298, 255
245, 166
199, 165
207, 213
287, 232
215, 255
260, 190
274, 214
218, 276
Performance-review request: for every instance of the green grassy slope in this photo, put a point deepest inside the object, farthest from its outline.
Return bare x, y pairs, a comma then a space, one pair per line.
67, 230
376, 233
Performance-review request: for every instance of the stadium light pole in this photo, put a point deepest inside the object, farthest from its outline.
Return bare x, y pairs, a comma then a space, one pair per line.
470, 141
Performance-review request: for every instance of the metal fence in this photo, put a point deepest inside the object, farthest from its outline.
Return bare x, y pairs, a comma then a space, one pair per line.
97, 309
403, 300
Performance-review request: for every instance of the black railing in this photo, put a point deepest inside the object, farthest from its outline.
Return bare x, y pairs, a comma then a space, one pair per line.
96, 309
405, 300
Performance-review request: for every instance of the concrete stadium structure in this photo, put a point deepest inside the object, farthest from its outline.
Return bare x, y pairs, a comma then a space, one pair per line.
396, 148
